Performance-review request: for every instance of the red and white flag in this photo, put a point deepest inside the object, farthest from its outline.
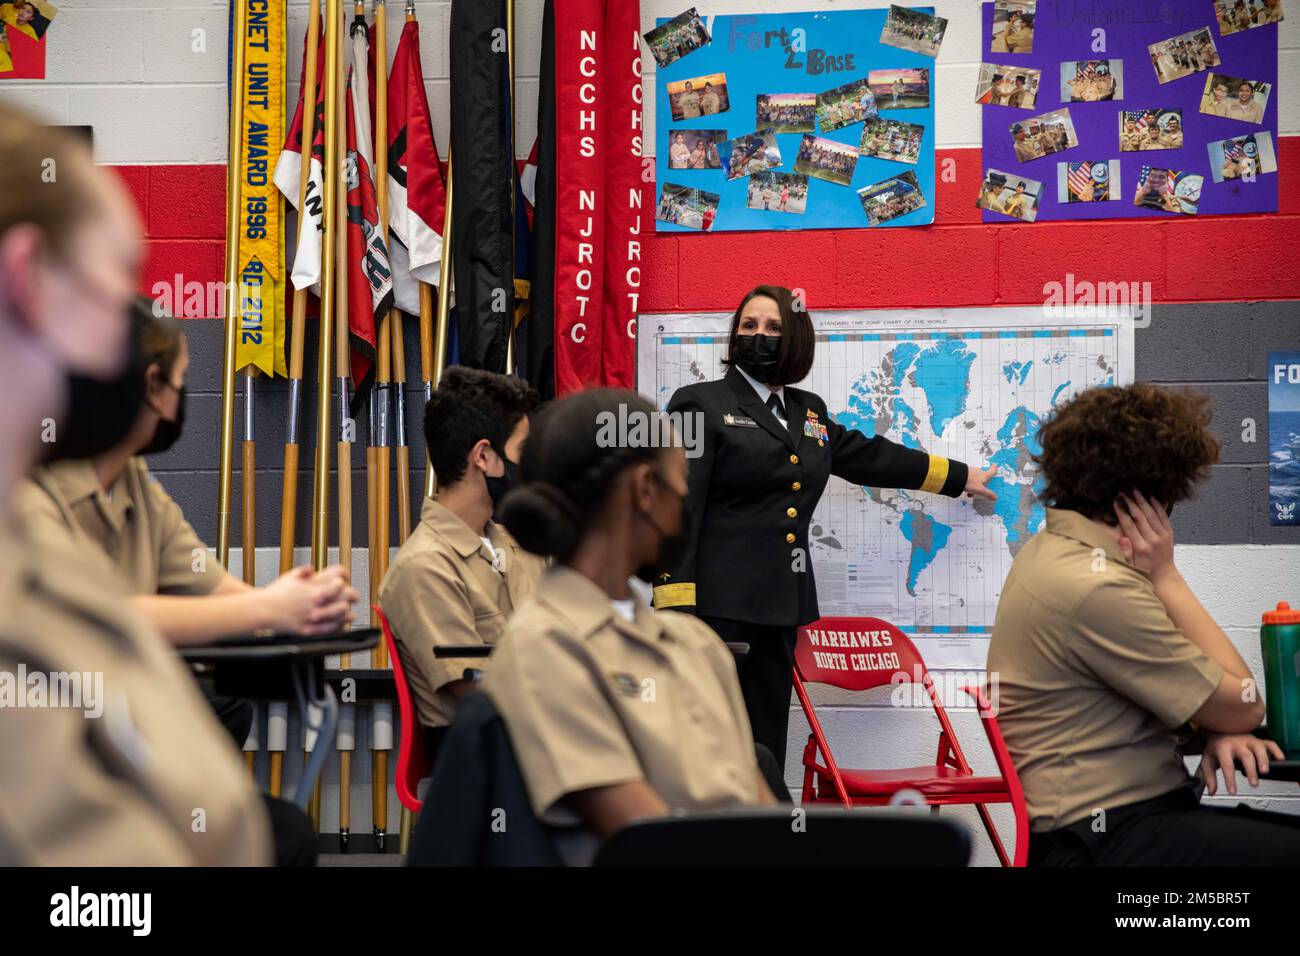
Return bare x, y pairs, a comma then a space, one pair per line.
416, 195
370, 278
288, 179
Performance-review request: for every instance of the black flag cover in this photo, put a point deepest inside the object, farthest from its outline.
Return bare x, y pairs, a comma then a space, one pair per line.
540, 324
482, 157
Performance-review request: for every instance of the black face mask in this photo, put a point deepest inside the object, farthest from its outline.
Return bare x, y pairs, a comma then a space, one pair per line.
500, 485
100, 412
168, 431
757, 354
672, 547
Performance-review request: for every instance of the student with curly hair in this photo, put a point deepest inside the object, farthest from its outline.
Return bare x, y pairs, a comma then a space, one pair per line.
1108, 666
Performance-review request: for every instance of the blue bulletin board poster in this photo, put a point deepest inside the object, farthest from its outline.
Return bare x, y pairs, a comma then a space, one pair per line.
811, 171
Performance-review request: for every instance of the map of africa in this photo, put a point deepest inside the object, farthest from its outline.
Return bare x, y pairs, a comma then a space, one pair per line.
973, 385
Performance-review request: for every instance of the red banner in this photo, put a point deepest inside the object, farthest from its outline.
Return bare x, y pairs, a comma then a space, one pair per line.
622, 121
580, 47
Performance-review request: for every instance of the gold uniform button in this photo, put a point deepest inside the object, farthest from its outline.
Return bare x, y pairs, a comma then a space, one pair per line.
794, 459
791, 513
796, 486
789, 539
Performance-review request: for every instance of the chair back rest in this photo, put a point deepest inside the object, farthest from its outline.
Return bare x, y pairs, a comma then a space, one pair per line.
412, 759
856, 653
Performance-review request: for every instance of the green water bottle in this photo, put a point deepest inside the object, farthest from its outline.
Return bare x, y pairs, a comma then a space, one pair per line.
1280, 640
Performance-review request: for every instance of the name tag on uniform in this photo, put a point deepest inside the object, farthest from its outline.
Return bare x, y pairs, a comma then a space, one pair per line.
626, 684
739, 420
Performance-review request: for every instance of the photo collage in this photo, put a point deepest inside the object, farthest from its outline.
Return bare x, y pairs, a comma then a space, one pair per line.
1137, 95
870, 104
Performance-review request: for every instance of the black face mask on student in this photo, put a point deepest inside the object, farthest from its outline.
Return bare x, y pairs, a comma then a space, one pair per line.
499, 486
672, 547
100, 412
757, 355
168, 431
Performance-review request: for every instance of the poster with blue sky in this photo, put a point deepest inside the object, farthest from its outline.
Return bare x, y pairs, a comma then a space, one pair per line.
1284, 438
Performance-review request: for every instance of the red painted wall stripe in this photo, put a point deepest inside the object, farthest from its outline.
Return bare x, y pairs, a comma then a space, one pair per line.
957, 261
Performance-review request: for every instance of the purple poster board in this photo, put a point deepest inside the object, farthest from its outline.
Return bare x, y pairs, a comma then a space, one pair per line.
1063, 31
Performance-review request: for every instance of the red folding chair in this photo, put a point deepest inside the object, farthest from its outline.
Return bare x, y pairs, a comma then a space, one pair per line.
859, 653
412, 758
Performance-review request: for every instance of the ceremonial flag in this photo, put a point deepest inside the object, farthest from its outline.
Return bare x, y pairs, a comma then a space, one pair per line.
1080, 180
416, 196
288, 177
483, 171
539, 187
260, 251
370, 280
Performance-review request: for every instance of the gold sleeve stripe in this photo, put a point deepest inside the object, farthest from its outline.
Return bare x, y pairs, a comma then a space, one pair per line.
936, 476
674, 595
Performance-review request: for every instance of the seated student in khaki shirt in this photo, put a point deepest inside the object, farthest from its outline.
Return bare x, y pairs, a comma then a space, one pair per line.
110, 502
133, 770
615, 712
1101, 652
459, 575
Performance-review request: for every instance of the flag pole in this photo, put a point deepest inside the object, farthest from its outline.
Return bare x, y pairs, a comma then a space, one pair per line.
225, 477
298, 331
444, 313
325, 370
401, 450
510, 94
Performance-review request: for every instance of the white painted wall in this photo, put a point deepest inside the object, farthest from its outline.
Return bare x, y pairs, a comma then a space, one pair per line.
127, 67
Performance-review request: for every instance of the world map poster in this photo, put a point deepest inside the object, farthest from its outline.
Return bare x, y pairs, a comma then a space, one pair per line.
969, 384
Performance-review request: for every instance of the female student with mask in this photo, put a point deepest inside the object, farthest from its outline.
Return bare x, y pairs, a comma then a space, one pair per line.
111, 501
615, 712
767, 453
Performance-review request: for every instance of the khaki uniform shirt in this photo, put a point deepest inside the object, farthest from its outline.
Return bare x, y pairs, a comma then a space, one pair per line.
1093, 678
591, 699
139, 527
1252, 112
1027, 149
690, 104
1017, 205
442, 589
152, 780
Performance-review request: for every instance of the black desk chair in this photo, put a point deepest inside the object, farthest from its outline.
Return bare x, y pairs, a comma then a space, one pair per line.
766, 837
284, 667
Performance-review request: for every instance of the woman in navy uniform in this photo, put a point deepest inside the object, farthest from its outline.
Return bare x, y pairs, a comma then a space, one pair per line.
767, 452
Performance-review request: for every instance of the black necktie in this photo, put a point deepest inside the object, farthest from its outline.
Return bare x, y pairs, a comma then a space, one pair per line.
774, 404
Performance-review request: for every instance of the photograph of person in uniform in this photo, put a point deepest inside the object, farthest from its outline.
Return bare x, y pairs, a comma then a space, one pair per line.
681, 35
571, 673
845, 105
1088, 181
695, 148
900, 89
1168, 190
1242, 157
891, 198
1237, 15
913, 30
1010, 195
1150, 129
1183, 55
778, 192
1109, 681
1089, 81
460, 575
1013, 26
826, 159
1043, 135
746, 155
1235, 98
891, 139
698, 96
687, 206
1007, 86
768, 451
786, 112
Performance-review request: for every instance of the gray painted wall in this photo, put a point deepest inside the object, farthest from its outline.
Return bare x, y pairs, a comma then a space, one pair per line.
1218, 347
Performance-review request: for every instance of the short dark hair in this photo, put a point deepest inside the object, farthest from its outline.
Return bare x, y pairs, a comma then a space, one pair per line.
794, 360
1109, 440
157, 335
468, 406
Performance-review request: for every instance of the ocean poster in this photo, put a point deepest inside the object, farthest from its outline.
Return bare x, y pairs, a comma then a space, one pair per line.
1284, 438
